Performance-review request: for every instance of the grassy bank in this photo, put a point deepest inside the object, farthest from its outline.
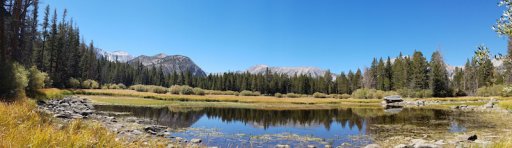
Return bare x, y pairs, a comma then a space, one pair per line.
22, 126
225, 98
135, 101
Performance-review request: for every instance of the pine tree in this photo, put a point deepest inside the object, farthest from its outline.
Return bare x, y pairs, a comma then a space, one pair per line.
419, 78
399, 78
439, 82
343, 86
388, 75
381, 75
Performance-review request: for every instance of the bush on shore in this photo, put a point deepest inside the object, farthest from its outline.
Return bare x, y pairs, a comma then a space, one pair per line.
344, 96
293, 95
250, 93
278, 95
199, 91
411, 93
186, 90
113, 86
149, 88
36, 79
365, 93
158, 89
175, 89
73, 83
319, 95
90, 84
495, 90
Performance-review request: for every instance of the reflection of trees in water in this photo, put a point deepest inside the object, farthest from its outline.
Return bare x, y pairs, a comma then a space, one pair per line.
351, 117
162, 116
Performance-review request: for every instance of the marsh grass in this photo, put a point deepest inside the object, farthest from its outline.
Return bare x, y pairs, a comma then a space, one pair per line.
222, 98
51, 93
22, 126
507, 104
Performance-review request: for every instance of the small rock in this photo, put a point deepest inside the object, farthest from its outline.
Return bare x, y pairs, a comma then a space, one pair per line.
131, 119
425, 145
196, 141
311, 146
282, 146
417, 141
136, 132
439, 142
401, 146
328, 146
472, 138
64, 116
179, 139
372, 146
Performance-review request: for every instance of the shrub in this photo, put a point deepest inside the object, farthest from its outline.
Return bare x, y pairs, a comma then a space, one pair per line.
36, 79
507, 91
249, 93
199, 91
496, 90
13, 77
332, 96
113, 86
121, 86
459, 93
344, 96
90, 84
236, 93
292, 95
73, 83
379, 94
186, 90
175, 89
139, 88
278, 95
319, 95
360, 93
158, 89
20, 80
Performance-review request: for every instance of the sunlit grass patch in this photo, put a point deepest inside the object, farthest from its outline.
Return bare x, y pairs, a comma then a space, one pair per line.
223, 98
22, 126
507, 104
51, 93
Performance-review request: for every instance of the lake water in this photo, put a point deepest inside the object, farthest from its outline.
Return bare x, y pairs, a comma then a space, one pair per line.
231, 127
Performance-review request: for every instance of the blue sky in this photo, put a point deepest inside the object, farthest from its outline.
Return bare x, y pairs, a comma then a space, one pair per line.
230, 35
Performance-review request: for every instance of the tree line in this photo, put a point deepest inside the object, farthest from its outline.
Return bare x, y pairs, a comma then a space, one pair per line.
54, 48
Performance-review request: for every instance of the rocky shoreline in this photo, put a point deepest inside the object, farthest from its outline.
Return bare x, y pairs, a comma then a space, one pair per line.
130, 129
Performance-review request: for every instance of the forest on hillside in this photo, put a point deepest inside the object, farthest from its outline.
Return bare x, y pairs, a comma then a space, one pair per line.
51, 53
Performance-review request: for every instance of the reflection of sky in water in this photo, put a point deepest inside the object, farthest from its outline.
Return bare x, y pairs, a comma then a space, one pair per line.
336, 134
455, 127
226, 127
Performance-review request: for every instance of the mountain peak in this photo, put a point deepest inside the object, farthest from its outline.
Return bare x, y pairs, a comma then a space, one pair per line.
160, 56
307, 70
169, 64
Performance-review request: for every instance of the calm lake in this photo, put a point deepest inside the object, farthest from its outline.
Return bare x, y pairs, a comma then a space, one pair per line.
231, 127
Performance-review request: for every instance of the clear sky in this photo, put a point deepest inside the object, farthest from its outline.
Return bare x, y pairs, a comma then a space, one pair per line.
229, 35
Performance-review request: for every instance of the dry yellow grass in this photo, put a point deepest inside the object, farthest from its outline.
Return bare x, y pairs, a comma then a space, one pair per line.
136, 101
224, 98
22, 126
51, 93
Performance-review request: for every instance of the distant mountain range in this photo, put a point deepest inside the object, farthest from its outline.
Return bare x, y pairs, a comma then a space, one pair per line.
180, 63
313, 71
120, 56
169, 64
